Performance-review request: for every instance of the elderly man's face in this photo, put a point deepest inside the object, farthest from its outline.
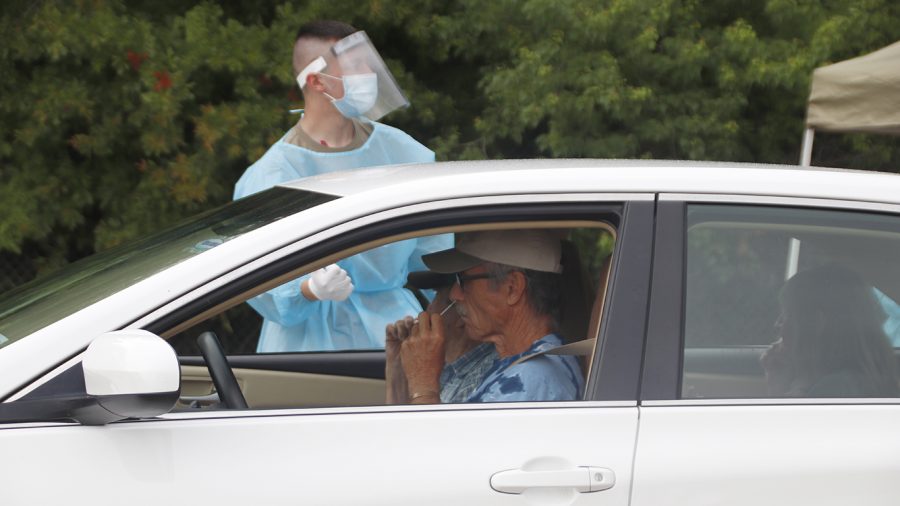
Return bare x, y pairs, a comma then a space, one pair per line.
479, 306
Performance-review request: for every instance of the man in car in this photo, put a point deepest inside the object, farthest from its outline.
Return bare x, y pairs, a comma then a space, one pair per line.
506, 293
465, 361
346, 87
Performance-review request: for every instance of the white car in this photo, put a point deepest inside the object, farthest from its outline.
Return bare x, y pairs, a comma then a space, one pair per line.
687, 400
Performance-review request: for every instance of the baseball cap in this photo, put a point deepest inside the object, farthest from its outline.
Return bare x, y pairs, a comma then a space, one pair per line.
538, 250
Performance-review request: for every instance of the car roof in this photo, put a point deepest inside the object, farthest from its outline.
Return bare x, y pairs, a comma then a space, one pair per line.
460, 179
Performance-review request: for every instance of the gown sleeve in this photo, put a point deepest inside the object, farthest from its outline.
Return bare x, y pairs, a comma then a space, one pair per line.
285, 304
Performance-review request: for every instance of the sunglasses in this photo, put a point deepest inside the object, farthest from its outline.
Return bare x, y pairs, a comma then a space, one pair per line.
461, 279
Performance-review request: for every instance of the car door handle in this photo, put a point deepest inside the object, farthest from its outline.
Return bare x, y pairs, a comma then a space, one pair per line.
582, 479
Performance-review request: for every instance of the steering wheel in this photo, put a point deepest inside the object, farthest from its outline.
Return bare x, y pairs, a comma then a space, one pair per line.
222, 376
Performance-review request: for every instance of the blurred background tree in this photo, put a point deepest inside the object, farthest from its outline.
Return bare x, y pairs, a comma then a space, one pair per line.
118, 118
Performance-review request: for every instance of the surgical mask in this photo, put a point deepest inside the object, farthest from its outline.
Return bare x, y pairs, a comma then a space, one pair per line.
360, 94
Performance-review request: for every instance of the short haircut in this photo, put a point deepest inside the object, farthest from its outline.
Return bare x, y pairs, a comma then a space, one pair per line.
542, 288
325, 29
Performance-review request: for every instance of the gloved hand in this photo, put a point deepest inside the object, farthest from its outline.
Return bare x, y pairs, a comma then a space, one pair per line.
330, 283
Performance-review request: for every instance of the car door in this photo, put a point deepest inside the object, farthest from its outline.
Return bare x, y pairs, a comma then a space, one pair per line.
577, 452
722, 422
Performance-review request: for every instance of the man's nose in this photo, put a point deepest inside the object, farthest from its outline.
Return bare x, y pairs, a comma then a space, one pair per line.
456, 293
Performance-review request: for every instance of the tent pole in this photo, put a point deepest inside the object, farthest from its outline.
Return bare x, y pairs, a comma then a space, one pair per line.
806, 150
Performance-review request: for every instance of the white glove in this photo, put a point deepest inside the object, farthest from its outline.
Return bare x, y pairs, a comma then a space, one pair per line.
330, 283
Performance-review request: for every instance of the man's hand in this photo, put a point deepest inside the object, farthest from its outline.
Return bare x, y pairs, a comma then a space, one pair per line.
394, 376
398, 331
328, 283
422, 355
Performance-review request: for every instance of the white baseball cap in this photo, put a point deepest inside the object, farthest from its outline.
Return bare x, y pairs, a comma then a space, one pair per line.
538, 250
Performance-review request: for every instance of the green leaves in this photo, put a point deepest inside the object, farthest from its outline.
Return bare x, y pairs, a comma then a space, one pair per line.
127, 122
674, 79
118, 118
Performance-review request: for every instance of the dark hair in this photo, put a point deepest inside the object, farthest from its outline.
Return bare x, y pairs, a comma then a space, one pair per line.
542, 288
837, 324
325, 29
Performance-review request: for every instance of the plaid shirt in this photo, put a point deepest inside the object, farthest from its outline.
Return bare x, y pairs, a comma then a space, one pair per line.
460, 378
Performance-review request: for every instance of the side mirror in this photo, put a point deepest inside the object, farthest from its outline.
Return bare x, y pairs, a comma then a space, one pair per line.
131, 374
127, 374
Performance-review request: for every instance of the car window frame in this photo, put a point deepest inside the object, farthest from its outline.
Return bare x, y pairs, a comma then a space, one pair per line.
477, 208
636, 210
661, 379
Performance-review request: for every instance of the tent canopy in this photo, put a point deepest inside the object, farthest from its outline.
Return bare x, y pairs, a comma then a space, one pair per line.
857, 95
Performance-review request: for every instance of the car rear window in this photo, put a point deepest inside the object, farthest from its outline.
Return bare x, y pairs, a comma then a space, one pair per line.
791, 302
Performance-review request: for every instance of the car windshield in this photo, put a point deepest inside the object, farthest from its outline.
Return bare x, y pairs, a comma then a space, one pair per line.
76, 286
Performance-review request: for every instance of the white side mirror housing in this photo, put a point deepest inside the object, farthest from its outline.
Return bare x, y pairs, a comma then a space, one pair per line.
132, 373
130, 362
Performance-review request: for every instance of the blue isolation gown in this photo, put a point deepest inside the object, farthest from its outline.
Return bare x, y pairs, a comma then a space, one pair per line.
294, 323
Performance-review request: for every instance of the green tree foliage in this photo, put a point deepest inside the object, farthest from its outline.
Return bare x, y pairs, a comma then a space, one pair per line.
114, 124
687, 79
117, 118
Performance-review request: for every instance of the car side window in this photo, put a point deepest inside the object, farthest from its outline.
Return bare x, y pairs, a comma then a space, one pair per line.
342, 306
790, 302
283, 372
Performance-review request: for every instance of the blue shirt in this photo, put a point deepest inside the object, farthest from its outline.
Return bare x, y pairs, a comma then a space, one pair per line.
462, 376
892, 312
542, 378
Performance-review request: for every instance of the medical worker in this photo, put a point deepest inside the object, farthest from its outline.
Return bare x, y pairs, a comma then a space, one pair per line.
346, 88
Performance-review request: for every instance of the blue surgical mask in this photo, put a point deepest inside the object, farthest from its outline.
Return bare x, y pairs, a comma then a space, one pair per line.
360, 94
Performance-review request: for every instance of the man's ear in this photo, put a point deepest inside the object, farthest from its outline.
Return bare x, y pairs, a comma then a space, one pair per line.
315, 82
515, 285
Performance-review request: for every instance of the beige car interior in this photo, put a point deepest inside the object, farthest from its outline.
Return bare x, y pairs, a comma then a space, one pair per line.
279, 389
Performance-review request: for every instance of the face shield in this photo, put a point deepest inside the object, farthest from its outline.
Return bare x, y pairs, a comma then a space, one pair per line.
369, 87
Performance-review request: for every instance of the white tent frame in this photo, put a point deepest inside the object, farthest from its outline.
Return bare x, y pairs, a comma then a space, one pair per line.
806, 149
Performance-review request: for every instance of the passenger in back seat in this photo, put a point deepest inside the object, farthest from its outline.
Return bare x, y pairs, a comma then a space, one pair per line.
832, 342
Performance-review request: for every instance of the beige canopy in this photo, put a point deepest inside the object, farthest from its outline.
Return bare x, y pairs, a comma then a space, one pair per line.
857, 95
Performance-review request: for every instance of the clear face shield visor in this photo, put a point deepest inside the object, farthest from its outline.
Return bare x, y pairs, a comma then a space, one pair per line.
370, 89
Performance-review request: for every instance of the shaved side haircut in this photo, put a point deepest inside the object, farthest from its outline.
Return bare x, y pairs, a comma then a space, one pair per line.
314, 39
